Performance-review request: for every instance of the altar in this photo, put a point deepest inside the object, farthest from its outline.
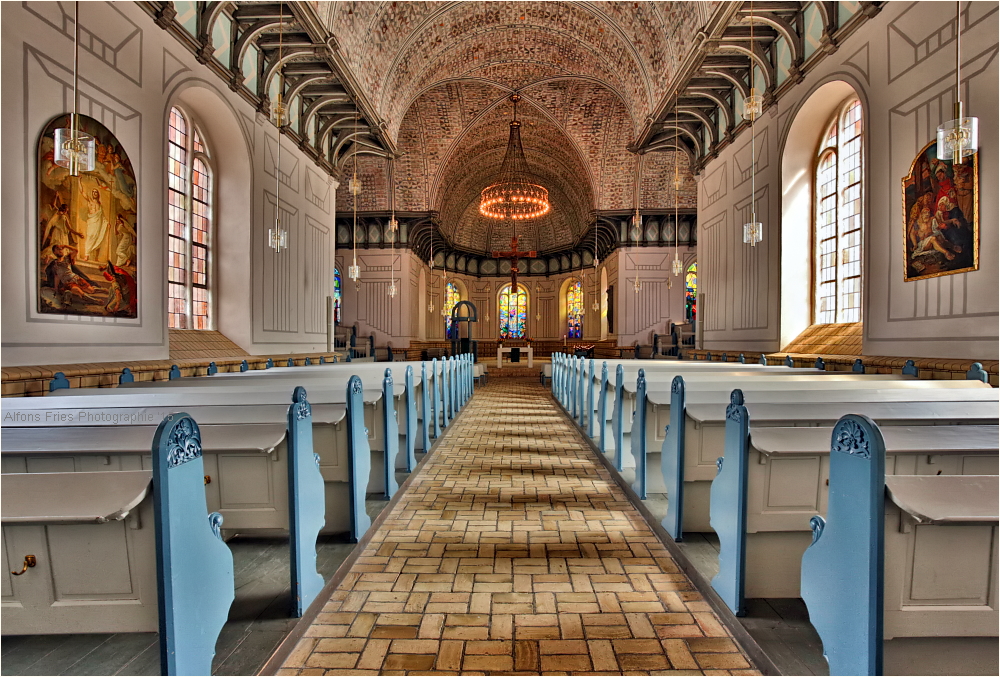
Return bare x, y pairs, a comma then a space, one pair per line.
524, 349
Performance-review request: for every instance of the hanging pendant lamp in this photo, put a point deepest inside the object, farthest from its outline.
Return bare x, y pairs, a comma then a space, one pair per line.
677, 265
278, 237
514, 196
73, 149
753, 230
959, 138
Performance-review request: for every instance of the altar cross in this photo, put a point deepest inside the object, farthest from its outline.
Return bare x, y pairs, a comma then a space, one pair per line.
514, 255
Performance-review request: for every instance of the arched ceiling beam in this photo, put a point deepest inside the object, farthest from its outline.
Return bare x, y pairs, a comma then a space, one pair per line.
342, 140
249, 36
758, 57
287, 55
669, 126
705, 120
737, 82
304, 81
320, 103
335, 122
784, 28
718, 100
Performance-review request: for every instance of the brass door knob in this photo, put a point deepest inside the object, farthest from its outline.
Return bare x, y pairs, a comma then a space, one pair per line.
29, 561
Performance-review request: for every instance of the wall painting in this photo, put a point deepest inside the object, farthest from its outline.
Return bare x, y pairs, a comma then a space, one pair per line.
940, 216
87, 229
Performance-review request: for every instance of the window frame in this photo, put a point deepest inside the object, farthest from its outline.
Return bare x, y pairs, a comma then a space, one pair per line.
193, 156
836, 121
571, 283
500, 314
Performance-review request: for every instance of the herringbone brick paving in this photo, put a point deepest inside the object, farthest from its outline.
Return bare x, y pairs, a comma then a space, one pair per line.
513, 552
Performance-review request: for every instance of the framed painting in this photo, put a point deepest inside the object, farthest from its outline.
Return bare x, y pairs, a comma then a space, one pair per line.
87, 229
940, 216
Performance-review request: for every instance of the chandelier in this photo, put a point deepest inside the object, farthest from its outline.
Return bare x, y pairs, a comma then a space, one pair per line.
514, 196
74, 149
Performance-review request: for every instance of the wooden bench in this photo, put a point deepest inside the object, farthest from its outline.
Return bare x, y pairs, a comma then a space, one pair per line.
903, 568
773, 479
108, 552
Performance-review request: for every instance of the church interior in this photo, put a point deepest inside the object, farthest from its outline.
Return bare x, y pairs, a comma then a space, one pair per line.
500, 337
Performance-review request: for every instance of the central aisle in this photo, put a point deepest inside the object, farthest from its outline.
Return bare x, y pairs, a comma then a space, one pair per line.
513, 550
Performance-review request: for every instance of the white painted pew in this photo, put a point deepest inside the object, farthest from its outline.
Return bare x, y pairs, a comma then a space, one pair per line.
900, 577
249, 473
783, 482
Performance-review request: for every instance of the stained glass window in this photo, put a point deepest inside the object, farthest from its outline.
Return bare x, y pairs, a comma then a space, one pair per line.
189, 225
837, 227
574, 310
691, 293
337, 295
451, 297
513, 312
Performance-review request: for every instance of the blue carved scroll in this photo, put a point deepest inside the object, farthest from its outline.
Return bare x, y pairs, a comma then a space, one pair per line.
725, 357
910, 369
195, 584
858, 367
788, 361
308, 362
411, 420
820, 364
728, 506
617, 431
708, 356
763, 360
390, 430
743, 359
244, 366
306, 504
581, 374
174, 373
290, 362
588, 423
360, 457
602, 408
843, 569
638, 436
446, 390
128, 377
425, 409
213, 369
573, 379
269, 363
672, 462
322, 359
977, 373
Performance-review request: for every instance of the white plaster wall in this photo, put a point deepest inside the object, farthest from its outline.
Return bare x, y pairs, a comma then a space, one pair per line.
265, 303
660, 298
901, 63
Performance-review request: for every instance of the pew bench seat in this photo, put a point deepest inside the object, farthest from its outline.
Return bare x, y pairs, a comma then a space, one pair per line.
93, 537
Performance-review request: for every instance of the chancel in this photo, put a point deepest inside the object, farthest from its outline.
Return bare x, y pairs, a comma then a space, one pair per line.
737, 263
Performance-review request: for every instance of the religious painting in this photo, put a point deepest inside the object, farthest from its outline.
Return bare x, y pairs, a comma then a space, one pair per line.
513, 312
574, 310
940, 216
86, 230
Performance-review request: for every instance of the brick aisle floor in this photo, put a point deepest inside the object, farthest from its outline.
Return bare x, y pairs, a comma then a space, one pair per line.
514, 551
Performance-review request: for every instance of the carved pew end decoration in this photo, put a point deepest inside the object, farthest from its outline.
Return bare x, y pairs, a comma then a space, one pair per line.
672, 462
306, 503
175, 373
127, 376
194, 567
910, 369
58, 382
977, 373
843, 569
729, 506
359, 456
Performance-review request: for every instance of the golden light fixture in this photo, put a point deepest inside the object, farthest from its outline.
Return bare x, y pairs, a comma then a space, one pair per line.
73, 149
514, 196
753, 230
959, 138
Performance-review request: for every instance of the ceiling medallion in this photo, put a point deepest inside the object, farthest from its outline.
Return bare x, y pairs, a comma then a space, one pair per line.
514, 196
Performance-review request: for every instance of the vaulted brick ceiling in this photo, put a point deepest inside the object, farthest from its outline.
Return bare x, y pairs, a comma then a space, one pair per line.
439, 73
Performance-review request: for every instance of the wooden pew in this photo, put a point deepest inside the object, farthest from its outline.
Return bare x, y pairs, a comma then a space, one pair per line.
175, 546
697, 433
900, 577
249, 486
773, 479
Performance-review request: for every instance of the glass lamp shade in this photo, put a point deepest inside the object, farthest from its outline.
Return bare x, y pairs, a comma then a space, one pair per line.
596, 306
392, 291
393, 225
637, 285
75, 153
958, 139
752, 105
354, 272
677, 266
753, 233
279, 112
430, 307
277, 238
354, 185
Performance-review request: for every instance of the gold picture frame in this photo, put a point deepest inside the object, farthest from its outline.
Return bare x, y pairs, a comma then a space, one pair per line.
940, 216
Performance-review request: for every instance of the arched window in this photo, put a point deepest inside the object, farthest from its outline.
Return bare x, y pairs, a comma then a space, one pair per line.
337, 295
513, 312
691, 293
451, 297
838, 219
574, 310
189, 225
